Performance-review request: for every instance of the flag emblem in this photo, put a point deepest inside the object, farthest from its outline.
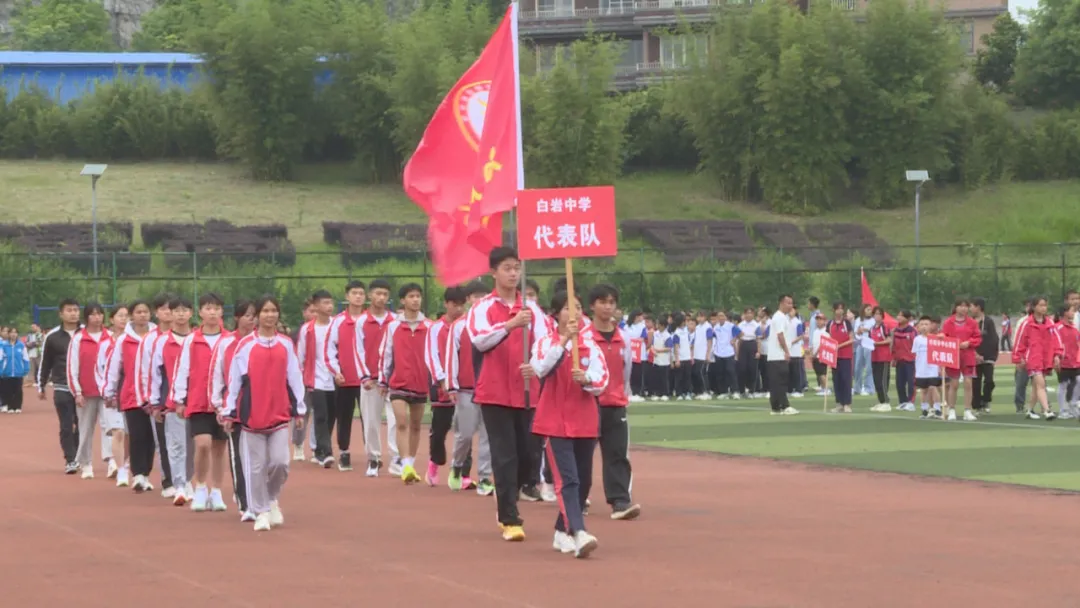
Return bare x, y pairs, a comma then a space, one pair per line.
470, 106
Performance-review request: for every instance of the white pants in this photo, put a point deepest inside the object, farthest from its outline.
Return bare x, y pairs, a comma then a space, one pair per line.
88, 424
266, 466
372, 406
176, 445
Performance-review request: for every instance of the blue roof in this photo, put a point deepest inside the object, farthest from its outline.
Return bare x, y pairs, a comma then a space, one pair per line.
58, 58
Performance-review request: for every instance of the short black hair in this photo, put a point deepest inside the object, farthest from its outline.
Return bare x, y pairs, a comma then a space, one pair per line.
814, 301
455, 295
351, 285
876, 310
161, 300
905, 313
321, 294
560, 284
211, 299
379, 284
558, 302
499, 255
531, 284
837, 305
1061, 311
89, 309
241, 307
476, 287
408, 288
781, 297
925, 318
979, 301
180, 302
603, 291
116, 310
67, 302
137, 302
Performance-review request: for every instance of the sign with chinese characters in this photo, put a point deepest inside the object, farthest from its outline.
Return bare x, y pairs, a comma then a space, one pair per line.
557, 223
942, 351
827, 351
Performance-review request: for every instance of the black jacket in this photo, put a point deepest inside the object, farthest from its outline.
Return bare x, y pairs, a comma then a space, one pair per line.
53, 366
990, 343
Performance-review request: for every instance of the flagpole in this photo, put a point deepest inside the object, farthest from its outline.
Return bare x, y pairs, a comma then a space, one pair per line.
514, 8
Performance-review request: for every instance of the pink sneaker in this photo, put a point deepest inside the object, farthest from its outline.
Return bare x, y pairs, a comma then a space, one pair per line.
467, 483
432, 474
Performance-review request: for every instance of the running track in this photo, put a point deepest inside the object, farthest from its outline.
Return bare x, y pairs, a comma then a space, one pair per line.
715, 531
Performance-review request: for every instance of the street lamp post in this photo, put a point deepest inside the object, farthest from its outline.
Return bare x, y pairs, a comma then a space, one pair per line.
919, 177
95, 172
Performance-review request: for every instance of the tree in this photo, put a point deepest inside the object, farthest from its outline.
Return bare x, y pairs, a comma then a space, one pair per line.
996, 61
61, 25
170, 26
264, 64
576, 130
1048, 64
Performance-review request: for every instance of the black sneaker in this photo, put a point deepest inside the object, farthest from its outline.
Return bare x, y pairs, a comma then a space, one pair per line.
344, 462
925, 414
71, 468
326, 462
625, 511
530, 494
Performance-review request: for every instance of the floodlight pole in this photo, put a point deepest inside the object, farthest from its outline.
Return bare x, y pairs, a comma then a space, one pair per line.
93, 221
918, 189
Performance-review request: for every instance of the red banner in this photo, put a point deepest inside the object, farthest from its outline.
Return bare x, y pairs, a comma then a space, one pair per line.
567, 223
943, 351
636, 345
827, 351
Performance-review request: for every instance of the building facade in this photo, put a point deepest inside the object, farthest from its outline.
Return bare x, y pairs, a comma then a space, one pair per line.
67, 76
645, 26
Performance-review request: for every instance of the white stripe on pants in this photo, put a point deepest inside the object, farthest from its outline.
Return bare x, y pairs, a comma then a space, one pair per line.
372, 405
468, 422
176, 444
1063, 391
88, 426
266, 466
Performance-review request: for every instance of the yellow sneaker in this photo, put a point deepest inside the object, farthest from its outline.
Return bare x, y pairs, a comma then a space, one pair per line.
514, 534
408, 474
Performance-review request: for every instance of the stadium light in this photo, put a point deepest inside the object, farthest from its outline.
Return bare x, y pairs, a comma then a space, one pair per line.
920, 177
95, 172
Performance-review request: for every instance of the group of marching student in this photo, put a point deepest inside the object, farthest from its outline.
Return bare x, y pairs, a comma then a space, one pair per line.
200, 396
194, 396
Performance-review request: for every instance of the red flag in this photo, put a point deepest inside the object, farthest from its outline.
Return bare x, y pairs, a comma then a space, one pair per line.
439, 176
500, 171
868, 298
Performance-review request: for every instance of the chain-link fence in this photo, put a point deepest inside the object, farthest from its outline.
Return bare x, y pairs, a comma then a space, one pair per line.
928, 278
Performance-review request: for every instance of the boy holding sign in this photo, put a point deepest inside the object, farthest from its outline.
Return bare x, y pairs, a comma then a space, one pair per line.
927, 375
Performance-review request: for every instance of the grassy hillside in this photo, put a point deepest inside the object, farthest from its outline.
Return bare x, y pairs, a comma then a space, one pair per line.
52, 191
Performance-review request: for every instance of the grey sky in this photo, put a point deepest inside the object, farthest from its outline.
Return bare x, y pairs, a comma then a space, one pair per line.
1015, 6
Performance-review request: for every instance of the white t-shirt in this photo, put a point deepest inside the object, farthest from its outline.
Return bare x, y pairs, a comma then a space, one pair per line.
815, 341
324, 378
796, 345
722, 347
748, 330
780, 324
683, 347
702, 334
865, 341
923, 369
661, 339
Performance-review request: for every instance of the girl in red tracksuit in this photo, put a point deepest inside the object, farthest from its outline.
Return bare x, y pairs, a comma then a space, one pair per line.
221, 364
1034, 351
1067, 338
404, 374
567, 415
121, 376
266, 390
843, 331
966, 331
881, 358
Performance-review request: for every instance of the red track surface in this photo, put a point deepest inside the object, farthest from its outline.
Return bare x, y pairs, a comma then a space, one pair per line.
715, 531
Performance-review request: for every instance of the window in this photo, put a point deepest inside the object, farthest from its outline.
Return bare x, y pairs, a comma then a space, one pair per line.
555, 8
548, 55
632, 54
966, 30
616, 7
679, 51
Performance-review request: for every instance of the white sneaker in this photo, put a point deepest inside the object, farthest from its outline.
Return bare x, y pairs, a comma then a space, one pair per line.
180, 498
140, 484
1050, 415
277, 518
298, 453
952, 415
664, 398
1051, 389
122, 477
704, 397
200, 500
636, 399
87, 471
189, 490
547, 493
395, 467
796, 395
736, 396
113, 469
247, 516
1032, 415
790, 411
909, 407
168, 493
372, 468
217, 502
262, 522
881, 407
4, 409
584, 544
563, 543
969, 416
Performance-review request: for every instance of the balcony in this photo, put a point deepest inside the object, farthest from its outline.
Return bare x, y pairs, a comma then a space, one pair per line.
617, 17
